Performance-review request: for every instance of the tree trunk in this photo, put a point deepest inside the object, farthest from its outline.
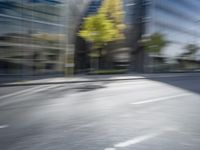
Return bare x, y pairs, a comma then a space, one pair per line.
94, 64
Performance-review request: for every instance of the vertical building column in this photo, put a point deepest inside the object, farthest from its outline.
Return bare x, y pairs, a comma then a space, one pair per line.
138, 31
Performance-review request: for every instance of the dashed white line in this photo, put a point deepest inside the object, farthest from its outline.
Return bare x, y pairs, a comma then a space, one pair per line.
110, 149
136, 140
160, 99
140, 139
4, 126
20, 92
30, 90
43, 89
25, 93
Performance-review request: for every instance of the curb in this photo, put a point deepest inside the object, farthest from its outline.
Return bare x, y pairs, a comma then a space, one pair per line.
103, 80
65, 82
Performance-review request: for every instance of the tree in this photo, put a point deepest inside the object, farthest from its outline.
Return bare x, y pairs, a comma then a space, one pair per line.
191, 49
154, 43
113, 10
104, 27
98, 30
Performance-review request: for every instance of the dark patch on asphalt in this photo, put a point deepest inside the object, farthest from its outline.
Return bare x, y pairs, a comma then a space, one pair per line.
88, 88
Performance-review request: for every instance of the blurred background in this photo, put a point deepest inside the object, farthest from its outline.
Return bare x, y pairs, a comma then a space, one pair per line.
99, 74
43, 37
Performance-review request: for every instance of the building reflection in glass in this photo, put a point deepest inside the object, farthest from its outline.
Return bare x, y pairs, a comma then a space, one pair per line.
32, 36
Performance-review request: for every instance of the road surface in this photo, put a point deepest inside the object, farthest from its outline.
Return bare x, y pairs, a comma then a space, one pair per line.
159, 114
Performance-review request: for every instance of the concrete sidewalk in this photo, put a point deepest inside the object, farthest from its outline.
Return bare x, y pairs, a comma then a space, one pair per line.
95, 78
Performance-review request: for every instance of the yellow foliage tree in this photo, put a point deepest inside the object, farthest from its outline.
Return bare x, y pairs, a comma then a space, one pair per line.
113, 10
105, 26
98, 30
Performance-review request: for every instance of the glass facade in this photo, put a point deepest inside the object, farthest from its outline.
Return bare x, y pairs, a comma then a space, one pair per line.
40, 36
32, 36
178, 21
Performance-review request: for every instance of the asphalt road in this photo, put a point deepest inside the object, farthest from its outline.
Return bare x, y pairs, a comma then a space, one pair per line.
159, 114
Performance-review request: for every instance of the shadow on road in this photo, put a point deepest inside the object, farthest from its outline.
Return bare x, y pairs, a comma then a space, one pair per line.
189, 83
88, 88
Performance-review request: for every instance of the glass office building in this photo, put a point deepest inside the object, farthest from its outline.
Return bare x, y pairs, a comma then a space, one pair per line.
37, 36
32, 36
178, 21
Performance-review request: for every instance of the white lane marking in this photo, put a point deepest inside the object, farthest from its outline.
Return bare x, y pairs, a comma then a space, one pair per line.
43, 89
27, 93
136, 140
160, 99
20, 92
140, 139
109, 149
4, 126
30, 90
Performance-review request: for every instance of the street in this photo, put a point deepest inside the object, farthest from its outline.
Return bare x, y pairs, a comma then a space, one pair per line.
144, 114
